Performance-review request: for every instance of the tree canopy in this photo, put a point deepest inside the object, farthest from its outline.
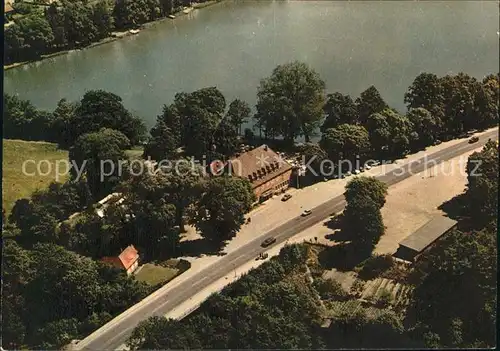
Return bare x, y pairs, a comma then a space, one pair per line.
290, 102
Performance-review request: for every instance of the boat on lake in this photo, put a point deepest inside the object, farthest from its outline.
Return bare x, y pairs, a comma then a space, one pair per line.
187, 10
134, 31
171, 16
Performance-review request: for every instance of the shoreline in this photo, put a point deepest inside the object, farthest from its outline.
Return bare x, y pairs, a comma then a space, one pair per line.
115, 36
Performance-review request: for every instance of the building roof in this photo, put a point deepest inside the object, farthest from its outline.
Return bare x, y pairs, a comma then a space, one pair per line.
428, 233
258, 165
125, 260
8, 7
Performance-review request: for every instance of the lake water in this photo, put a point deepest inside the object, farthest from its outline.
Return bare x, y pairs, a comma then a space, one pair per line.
232, 45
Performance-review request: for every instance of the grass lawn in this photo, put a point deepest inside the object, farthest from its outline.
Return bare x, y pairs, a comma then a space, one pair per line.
15, 183
135, 153
153, 274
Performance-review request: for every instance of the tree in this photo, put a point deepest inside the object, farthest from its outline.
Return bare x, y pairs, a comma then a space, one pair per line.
162, 144
56, 19
425, 125
158, 333
78, 22
61, 126
314, 155
35, 223
100, 154
339, 109
426, 92
458, 93
345, 142
365, 197
290, 102
220, 210
368, 103
486, 102
369, 187
200, 117
102, 18
390, 133
100, 109
460, 267
37, 34
482, 187
238, 113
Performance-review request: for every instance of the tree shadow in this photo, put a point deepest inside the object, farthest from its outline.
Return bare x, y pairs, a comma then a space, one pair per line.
455, 208
343, 257
200, 246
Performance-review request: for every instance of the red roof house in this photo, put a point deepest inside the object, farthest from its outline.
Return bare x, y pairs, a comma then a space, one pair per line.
127, 260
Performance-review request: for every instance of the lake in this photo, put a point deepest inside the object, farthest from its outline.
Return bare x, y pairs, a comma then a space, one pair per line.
232, 45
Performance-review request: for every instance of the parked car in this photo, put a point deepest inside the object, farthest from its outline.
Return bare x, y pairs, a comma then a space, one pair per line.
357, 171
286, 197
268, 241
262, 256
306, 213
348, 174
473, 140
368, 167
437, 142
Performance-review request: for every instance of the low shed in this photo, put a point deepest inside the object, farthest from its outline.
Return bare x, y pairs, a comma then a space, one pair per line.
416, 243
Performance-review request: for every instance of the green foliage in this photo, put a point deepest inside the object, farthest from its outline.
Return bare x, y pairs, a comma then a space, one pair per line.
313, 156
375, 265
101, 109
99, 153
56, 295
345, 142
221, 208
330, 289
457, 103
365, 197
259, 311
425, 125
368, 103
163, 142
390, 133
238, 113
290, 102
482, 192
339, 109
197, 122
461, 267
358, 328
366, 187
21, 120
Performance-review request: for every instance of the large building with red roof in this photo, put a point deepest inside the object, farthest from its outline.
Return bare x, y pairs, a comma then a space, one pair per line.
127, 260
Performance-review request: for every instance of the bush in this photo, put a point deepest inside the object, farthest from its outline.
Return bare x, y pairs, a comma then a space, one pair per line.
374, 266
384, 299
330, 289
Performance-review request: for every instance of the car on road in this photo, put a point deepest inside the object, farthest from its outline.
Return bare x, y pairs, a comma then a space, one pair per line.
473, 140
348, 174
306, 213
367, 167
269, 241
357, 171
286, 197
437, 142
262, 256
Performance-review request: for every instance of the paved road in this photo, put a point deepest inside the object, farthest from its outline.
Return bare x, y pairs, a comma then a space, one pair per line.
111, 336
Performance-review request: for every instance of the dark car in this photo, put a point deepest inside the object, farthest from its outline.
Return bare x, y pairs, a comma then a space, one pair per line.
473, 140
268, 241
286, 197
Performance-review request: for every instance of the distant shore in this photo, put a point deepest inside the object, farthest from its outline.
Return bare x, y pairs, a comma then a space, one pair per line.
115, 36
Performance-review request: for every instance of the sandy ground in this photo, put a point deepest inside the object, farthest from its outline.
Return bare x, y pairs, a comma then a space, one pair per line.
410, 203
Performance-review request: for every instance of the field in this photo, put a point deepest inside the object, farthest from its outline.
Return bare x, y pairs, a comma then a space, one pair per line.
17, 184
154, 274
